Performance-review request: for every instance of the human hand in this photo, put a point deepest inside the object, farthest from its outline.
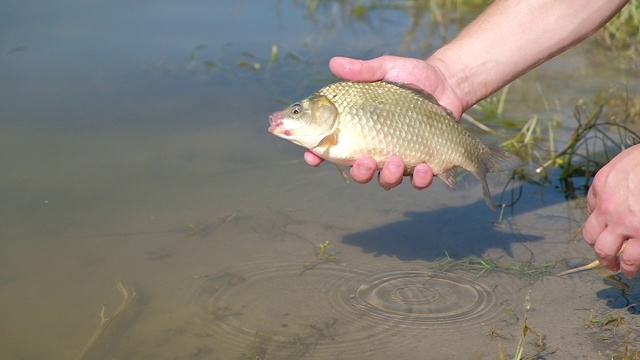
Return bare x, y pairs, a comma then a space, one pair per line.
614, 221
401, 70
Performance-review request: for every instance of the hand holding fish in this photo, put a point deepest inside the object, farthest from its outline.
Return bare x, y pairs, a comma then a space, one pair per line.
508, 39
400, 70
615, 213
346, 121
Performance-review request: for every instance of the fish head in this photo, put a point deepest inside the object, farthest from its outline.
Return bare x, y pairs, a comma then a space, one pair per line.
305, 123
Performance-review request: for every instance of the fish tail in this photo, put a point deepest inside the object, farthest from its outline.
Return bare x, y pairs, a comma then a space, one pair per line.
481, 174
495, 159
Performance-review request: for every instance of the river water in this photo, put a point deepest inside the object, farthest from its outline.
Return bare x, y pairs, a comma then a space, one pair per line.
137, 170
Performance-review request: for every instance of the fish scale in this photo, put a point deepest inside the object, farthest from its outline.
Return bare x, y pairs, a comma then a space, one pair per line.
396, 121
345, 121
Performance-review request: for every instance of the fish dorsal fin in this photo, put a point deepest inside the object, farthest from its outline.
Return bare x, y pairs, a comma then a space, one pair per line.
421, 92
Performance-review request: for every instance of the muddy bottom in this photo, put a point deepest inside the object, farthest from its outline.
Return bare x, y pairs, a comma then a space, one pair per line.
146, 212
225, 269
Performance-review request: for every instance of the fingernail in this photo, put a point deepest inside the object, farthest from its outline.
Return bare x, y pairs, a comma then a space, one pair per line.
363, 168
420, 171
394, 166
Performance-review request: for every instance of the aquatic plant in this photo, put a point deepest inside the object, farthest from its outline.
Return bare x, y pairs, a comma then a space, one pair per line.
322, 256
483, 267
439, 10
593, 143
616, 334
605, 126
440, 19
526, 329
622, 33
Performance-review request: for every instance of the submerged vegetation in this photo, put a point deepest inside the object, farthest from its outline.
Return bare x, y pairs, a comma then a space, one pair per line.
423, 26
322, 256
605, 126
622, 33
556, 153
540, 345
615, 332
436, 19
483, 267
444, 18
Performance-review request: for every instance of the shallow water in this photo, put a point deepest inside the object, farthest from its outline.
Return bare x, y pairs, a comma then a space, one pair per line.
133, 152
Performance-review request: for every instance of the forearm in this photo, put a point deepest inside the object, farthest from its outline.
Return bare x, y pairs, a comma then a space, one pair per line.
513, 36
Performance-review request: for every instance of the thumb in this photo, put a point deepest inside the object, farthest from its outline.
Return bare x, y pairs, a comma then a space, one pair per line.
358, 70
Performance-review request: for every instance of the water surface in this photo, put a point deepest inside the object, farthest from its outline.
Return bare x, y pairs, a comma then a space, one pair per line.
134, 147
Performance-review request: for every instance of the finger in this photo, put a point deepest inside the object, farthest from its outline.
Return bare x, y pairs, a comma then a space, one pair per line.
630, 258
599, 181
363, 170
607, 247
592, 228
358, 70
312, 159
422, 176
392, 173
591, 200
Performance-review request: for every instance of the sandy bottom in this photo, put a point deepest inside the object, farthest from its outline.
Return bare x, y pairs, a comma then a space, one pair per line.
217, 233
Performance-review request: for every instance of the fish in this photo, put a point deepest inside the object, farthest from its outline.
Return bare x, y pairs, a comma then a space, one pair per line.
346, 120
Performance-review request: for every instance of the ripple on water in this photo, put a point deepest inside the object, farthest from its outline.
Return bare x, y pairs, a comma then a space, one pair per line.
415, 296
333, 310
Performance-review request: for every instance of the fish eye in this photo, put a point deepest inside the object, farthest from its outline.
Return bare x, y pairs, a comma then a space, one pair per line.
296, 109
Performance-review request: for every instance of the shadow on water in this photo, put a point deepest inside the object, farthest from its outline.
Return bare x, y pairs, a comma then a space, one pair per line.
622, 293
457, 231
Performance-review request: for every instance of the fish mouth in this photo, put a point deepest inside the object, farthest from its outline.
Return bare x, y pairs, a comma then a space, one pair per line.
275, 121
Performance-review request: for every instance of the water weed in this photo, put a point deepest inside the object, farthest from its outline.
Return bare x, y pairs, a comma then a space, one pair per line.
483, 267
622, 33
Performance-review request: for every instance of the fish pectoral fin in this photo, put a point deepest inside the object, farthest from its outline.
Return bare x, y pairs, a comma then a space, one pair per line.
327, 142
449, 177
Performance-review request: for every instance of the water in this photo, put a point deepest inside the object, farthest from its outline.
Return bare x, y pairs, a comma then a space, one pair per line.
134, 147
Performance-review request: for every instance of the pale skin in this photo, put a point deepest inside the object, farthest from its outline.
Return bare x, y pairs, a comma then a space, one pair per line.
508, 39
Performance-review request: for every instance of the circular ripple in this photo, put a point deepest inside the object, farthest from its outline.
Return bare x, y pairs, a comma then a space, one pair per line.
415, 296
330, 310
280, 310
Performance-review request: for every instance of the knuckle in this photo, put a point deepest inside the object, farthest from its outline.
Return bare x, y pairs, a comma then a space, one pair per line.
587, 233
603, 255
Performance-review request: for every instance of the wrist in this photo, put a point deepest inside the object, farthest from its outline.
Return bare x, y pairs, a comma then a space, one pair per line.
453, 91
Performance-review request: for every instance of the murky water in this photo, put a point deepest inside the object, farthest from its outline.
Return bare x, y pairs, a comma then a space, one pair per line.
134, 148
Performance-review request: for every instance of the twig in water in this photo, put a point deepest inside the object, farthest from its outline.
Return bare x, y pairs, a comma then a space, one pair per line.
589, 266
127, 298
